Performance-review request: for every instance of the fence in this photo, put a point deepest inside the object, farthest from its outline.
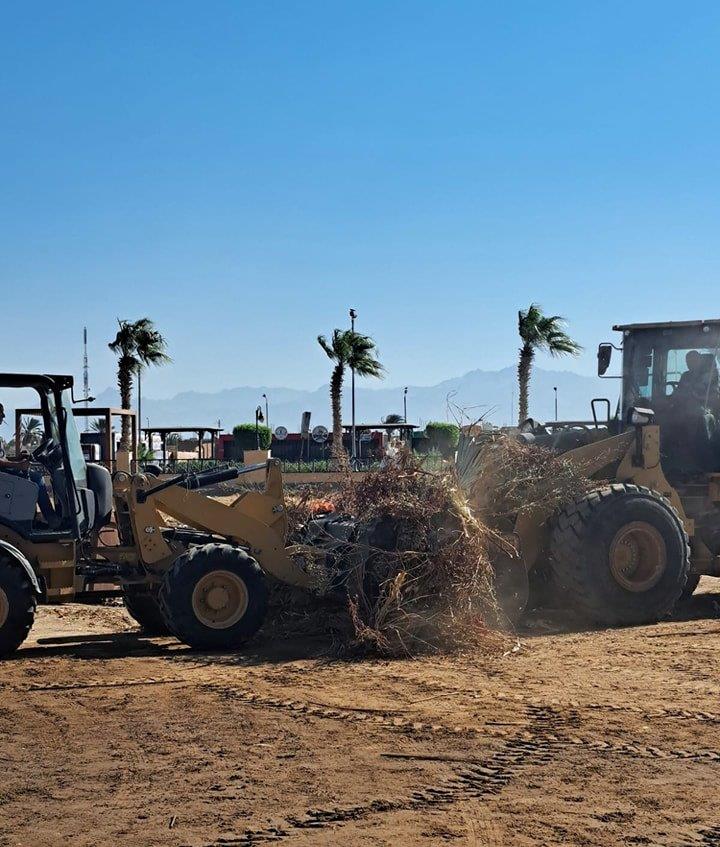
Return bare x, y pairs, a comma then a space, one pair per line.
288, 467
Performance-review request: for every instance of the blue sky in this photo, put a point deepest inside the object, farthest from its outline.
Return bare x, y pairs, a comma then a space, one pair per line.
243, 172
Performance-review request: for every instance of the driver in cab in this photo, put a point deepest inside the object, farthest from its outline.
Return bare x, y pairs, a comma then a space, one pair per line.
20, 466
699, 383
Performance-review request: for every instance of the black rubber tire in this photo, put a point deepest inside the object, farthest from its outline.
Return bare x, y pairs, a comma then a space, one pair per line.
179, 583
580, 545
22, 602
143, 606
690, 586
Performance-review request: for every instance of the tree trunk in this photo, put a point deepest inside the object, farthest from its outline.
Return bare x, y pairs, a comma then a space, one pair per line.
527, 354
338, 450
125, 387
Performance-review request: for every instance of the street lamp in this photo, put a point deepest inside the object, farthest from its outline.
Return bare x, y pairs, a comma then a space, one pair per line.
555, 390
405, 404
258, 420
267, 413
353, 315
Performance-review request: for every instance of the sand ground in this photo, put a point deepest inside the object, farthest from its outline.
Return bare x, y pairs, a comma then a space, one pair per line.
576, 738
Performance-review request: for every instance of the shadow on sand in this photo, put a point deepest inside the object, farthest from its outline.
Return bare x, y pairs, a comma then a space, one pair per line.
559, 621
117, 645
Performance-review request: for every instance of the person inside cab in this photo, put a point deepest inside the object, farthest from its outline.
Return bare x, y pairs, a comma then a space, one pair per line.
698, 385
20, 466
690, 431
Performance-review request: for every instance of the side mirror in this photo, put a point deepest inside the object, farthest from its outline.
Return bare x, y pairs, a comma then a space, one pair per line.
604, 355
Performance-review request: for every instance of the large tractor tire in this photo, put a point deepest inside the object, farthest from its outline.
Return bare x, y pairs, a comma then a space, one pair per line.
621, 555
214, 597
18, 602
143, 606
690, 586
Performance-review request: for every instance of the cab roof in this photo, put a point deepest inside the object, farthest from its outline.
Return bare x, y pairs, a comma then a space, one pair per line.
669, 325
33, 380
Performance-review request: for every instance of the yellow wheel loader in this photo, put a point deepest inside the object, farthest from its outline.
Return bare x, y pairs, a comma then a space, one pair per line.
203, 580
628, 550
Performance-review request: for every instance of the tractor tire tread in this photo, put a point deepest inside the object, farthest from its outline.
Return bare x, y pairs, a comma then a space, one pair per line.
176, 588
569, 545
144, 608
23, 603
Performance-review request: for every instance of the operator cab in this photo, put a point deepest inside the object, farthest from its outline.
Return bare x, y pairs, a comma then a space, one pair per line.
672, 368
45, 453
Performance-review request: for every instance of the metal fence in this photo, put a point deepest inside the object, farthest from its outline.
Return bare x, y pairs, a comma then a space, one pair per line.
288, 466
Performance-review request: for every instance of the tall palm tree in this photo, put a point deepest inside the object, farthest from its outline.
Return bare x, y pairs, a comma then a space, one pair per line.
137, 344
347, 349
539, 332
31, 429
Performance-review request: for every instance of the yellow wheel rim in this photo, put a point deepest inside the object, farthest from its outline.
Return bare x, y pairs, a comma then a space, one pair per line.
220, 599
638, 556
4, 607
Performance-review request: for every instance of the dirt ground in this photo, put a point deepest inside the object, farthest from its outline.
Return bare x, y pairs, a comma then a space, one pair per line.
575, 738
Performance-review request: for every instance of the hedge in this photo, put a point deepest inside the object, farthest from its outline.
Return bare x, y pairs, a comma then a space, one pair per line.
443, 436
246, 437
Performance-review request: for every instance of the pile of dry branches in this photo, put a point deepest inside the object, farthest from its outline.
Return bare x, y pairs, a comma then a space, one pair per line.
503, 477
417, 574
421, 578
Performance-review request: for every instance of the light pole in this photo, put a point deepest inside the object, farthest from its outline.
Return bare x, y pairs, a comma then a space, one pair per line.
139, 412
555, 390
258, 418
267, 413
405, 404
353, 315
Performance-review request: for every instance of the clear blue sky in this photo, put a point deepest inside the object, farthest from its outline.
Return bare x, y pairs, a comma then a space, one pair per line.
243, 172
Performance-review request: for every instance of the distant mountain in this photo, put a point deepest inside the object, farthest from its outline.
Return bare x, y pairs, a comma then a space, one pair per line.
478, 392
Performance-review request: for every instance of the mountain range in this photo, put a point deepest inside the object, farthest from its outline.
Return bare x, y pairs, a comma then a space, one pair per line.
492, 394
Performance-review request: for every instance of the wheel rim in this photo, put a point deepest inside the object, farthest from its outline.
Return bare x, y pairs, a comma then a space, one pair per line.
220, 599
4, 607
638, 556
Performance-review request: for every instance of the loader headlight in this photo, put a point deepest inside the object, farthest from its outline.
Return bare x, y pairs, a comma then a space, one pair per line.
640, 417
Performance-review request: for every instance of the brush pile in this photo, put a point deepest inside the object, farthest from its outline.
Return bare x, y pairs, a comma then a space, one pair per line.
504, 478
412, 568
416, 573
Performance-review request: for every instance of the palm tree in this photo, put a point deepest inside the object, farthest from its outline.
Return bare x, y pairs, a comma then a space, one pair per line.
137, 344
97, 425
347, 349
31, 430
539, 332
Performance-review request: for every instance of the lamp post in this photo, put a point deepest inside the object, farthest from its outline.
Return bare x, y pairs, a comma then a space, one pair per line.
258, 419
555, 390
267, 412
405, 404
353, 315
139, 386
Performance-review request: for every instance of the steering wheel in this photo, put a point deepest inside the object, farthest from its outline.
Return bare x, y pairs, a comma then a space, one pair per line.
47, 453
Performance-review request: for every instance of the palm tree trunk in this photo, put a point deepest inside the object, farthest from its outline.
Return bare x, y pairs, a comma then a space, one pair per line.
336, 381
527, 354
125, 387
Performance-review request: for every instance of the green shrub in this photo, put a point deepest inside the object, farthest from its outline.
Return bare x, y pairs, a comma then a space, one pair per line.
443, 437
247, 439
318, 466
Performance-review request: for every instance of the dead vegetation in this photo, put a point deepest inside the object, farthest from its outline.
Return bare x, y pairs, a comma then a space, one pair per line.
504, 478
417, 570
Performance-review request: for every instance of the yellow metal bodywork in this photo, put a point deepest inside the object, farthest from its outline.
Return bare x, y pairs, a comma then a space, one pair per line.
625, 460
256, 520
53, 561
